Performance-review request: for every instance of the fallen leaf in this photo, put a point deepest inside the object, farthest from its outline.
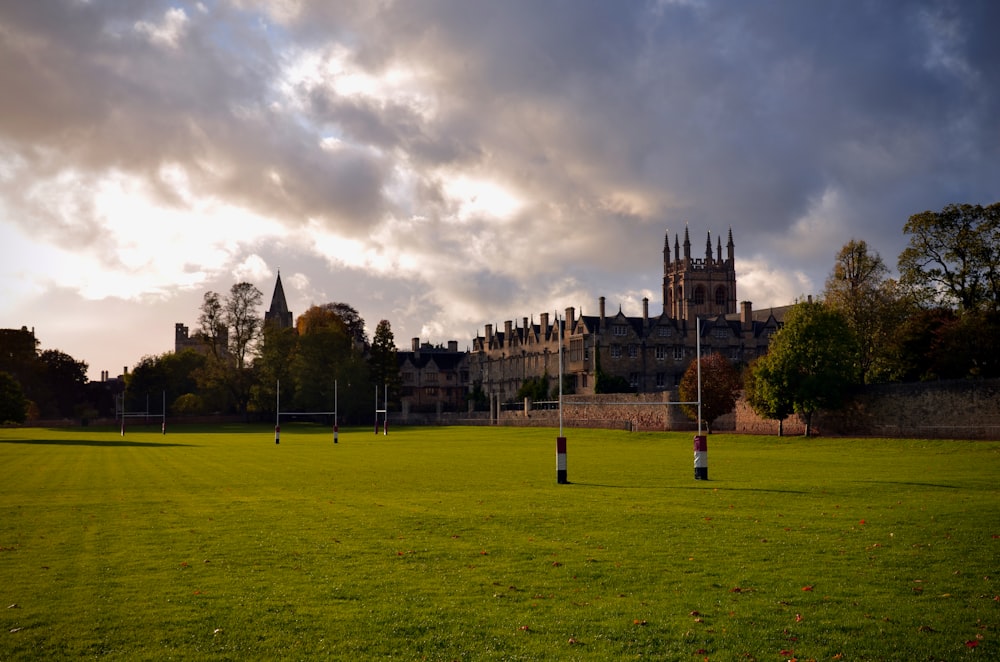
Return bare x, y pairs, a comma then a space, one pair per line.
972, 643
807, 588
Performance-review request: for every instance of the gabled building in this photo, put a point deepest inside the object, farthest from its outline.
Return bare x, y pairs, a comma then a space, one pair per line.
650, 353
434, 378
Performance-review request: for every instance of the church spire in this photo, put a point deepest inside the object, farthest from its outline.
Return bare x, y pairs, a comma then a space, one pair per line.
278, 314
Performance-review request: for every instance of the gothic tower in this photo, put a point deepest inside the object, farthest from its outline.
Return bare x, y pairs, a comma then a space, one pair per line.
694, 287
278, 314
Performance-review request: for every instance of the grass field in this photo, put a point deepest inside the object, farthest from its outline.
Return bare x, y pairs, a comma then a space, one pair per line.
457, 543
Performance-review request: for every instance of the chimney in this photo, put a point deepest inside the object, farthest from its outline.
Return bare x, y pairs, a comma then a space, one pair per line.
544, 321
746, 315
600, 305
453, 346
645, 311
570, 321
508, 336
525, 334
489, 335
415, 344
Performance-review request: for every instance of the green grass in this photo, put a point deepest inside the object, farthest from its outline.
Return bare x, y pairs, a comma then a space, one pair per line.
457, 543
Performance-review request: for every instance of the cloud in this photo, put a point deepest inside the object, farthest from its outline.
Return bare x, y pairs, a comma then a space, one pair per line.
449, 164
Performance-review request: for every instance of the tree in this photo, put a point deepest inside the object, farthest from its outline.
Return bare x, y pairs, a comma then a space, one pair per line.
63, 384
273, 367
811, 361
942, 344
243, 321
383, 362
212, 331
13, 404
860, 289
172, 374
720, 387
953, 257
536, 388
327, 357
230, 328
767, 395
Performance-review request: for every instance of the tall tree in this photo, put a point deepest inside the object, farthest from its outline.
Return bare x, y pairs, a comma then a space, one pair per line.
953, 257
230, 328
383, 361
860, 289
212, 325
811, 360
720, 387
243, 321
767, 394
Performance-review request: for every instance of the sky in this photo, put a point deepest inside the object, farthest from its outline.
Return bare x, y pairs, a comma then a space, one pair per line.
444, 165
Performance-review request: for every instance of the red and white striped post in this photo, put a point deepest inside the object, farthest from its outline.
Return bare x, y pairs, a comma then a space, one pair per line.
700, 457
561, 461
561, 478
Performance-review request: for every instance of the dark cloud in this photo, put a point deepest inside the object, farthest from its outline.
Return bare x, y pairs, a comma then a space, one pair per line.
800, 125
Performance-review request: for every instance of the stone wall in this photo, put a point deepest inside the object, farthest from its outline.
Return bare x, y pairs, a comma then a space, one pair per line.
940, 410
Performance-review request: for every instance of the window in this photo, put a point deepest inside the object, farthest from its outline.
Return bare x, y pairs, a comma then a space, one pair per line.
633, 379
619, 330
664, 331
633, 351
661, 352
678, 353
699, 295
720, 296
720, 333
616, 351
661, 380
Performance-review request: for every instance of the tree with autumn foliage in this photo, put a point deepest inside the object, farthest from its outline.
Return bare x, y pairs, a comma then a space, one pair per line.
720, 387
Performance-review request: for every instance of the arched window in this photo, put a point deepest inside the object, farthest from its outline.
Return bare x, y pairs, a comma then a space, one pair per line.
699, 295
720, 296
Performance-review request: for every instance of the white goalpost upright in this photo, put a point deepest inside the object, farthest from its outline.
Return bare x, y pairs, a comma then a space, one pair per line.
384, 411
279, 413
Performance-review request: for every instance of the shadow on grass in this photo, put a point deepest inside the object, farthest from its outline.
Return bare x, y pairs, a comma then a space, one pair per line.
690, 487
90, 442
910, 483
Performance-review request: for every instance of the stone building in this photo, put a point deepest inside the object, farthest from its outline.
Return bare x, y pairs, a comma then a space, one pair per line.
650, 352
433, 378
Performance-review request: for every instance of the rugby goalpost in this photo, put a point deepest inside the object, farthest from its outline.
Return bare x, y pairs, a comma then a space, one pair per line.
701, 467
279, 413
120, 411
